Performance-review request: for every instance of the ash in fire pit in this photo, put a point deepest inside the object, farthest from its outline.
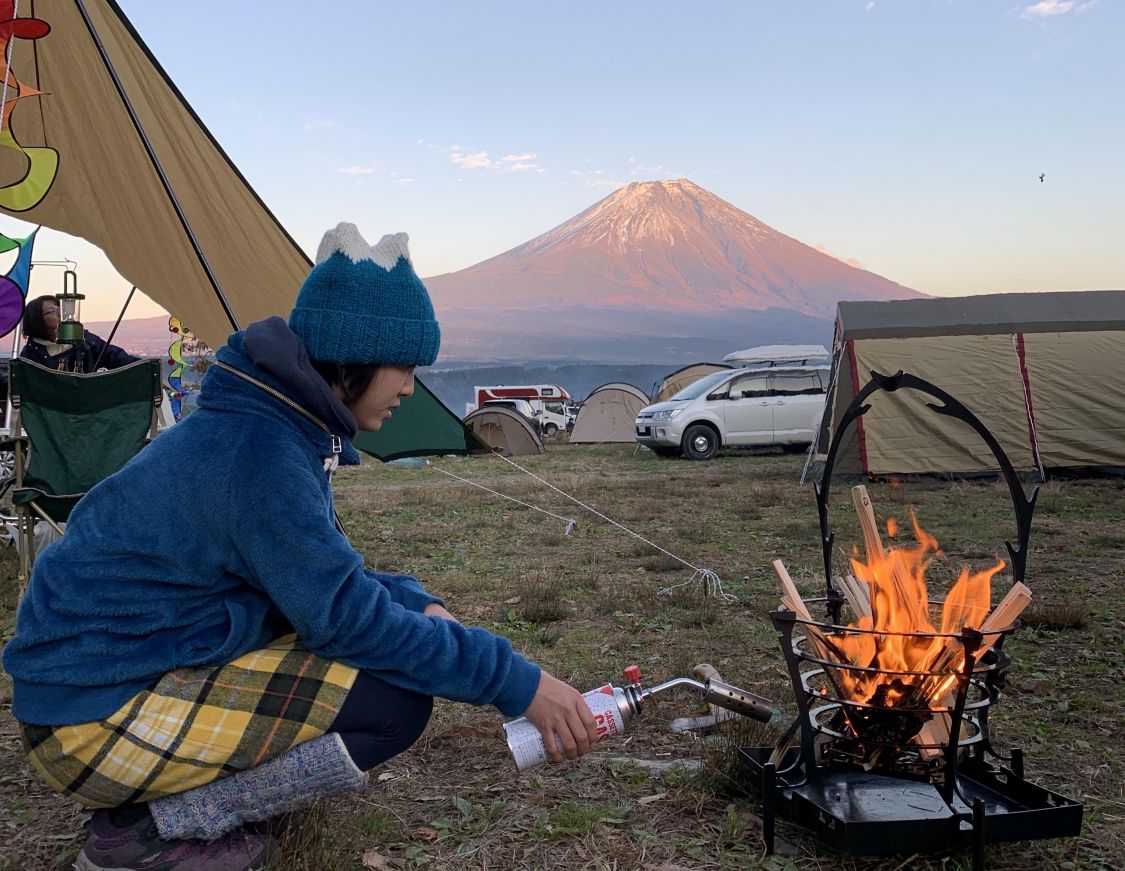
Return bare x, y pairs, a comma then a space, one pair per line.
891, 748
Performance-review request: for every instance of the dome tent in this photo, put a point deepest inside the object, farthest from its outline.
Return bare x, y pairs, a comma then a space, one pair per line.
608, 414
505, 431
670, 385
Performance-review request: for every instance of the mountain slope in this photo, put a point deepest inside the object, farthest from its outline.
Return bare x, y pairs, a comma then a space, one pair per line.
666, 245
656, 272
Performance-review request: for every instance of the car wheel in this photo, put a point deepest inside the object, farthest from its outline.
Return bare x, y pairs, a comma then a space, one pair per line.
550, 430
700, 442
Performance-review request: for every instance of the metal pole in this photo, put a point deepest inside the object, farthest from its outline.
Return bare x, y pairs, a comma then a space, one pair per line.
17, 334
113, 332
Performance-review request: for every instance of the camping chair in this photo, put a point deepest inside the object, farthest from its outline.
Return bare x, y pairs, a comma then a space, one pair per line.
80, 429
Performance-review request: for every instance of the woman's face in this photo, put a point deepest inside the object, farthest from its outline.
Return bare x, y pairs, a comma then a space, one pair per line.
51, 318
388, 388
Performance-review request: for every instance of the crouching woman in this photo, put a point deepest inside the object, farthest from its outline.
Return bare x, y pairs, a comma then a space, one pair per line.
184, 678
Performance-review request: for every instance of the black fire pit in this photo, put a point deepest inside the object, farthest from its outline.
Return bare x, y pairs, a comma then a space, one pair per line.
865, 813
862, 775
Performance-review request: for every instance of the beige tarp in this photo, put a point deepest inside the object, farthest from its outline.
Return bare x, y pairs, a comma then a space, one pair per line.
609, 414
1078, 393
681, 378
104, 147
107, 190
505, 431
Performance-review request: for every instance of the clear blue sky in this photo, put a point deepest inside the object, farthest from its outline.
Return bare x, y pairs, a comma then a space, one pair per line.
906, 134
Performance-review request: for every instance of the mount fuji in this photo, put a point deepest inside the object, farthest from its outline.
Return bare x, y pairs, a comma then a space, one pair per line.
661, 270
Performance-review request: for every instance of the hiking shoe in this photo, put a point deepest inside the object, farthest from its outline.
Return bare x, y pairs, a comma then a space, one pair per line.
136, 846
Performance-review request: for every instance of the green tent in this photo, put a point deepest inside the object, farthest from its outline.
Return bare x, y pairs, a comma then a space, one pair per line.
421, 426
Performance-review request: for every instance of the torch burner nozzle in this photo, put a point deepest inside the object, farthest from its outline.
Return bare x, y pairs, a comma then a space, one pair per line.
719, 693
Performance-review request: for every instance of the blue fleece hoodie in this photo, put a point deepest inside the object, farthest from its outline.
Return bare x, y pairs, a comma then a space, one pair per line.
134, 589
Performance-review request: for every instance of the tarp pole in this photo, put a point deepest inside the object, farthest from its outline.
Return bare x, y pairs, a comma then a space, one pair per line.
17, 334
156, 165
116, 324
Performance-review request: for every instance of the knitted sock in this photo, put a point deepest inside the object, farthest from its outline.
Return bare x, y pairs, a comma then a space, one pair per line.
316, 769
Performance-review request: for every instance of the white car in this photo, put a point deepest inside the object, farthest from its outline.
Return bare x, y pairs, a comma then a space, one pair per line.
778, 405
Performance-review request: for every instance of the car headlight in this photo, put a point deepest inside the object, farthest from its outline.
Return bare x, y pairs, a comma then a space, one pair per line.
666, 415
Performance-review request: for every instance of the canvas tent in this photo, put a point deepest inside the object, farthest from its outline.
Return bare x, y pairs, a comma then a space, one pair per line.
97, 141
1045, 372
505, 431
608, 414
670, 385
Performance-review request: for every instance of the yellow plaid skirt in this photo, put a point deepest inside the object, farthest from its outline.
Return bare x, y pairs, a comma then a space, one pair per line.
195, 726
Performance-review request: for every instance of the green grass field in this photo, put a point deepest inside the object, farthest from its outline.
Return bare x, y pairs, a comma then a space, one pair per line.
586, 605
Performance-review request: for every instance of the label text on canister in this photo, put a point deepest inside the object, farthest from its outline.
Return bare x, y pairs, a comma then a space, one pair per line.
526, 743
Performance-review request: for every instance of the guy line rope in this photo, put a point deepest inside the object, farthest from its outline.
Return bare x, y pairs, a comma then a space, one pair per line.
710, 581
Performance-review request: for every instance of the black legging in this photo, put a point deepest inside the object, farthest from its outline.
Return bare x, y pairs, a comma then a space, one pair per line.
378, 721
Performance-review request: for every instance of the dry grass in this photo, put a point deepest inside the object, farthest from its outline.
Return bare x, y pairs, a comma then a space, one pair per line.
585, 605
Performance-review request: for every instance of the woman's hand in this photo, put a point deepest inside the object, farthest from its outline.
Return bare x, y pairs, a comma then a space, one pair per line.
559, 710
435, 610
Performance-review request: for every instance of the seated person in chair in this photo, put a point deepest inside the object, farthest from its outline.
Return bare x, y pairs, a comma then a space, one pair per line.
266, 668
40, 330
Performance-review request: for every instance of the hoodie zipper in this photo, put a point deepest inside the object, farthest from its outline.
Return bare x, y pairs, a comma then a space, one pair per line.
337, 442
330, 463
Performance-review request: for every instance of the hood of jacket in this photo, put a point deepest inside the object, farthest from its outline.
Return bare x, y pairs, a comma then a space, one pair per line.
269, 352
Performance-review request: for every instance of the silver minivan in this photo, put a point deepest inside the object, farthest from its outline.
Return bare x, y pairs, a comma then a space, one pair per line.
778, 405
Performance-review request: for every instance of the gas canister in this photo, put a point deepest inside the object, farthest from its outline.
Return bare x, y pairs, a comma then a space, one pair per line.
615, 708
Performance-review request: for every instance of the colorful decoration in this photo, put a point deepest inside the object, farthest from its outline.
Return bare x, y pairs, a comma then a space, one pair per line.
13, 286
188, 359
42, 163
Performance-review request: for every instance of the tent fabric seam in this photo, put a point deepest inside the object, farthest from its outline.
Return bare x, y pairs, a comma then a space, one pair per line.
1025, 380
859, 420
132, 31
156, 165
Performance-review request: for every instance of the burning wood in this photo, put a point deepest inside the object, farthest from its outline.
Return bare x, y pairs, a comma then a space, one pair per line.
897, 670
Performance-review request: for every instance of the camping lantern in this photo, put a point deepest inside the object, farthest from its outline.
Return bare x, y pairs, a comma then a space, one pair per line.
70, 331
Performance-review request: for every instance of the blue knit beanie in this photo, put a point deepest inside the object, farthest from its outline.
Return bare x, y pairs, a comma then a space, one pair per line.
364, 303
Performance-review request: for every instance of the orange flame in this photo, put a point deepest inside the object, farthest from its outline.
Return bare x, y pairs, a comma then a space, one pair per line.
895, 583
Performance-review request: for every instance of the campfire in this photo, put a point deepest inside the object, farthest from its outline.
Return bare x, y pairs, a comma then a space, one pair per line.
892, 674
891, 750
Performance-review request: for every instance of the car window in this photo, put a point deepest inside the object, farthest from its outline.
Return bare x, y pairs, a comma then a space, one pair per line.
746, 386
554, 407
797, 383
698, 388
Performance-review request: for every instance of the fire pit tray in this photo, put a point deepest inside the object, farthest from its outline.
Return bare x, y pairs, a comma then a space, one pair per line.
865, 813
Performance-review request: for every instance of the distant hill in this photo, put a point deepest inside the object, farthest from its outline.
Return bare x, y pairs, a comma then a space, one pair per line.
145, 337
656, 270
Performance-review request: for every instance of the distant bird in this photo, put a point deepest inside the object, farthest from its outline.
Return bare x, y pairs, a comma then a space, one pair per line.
1042, 176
